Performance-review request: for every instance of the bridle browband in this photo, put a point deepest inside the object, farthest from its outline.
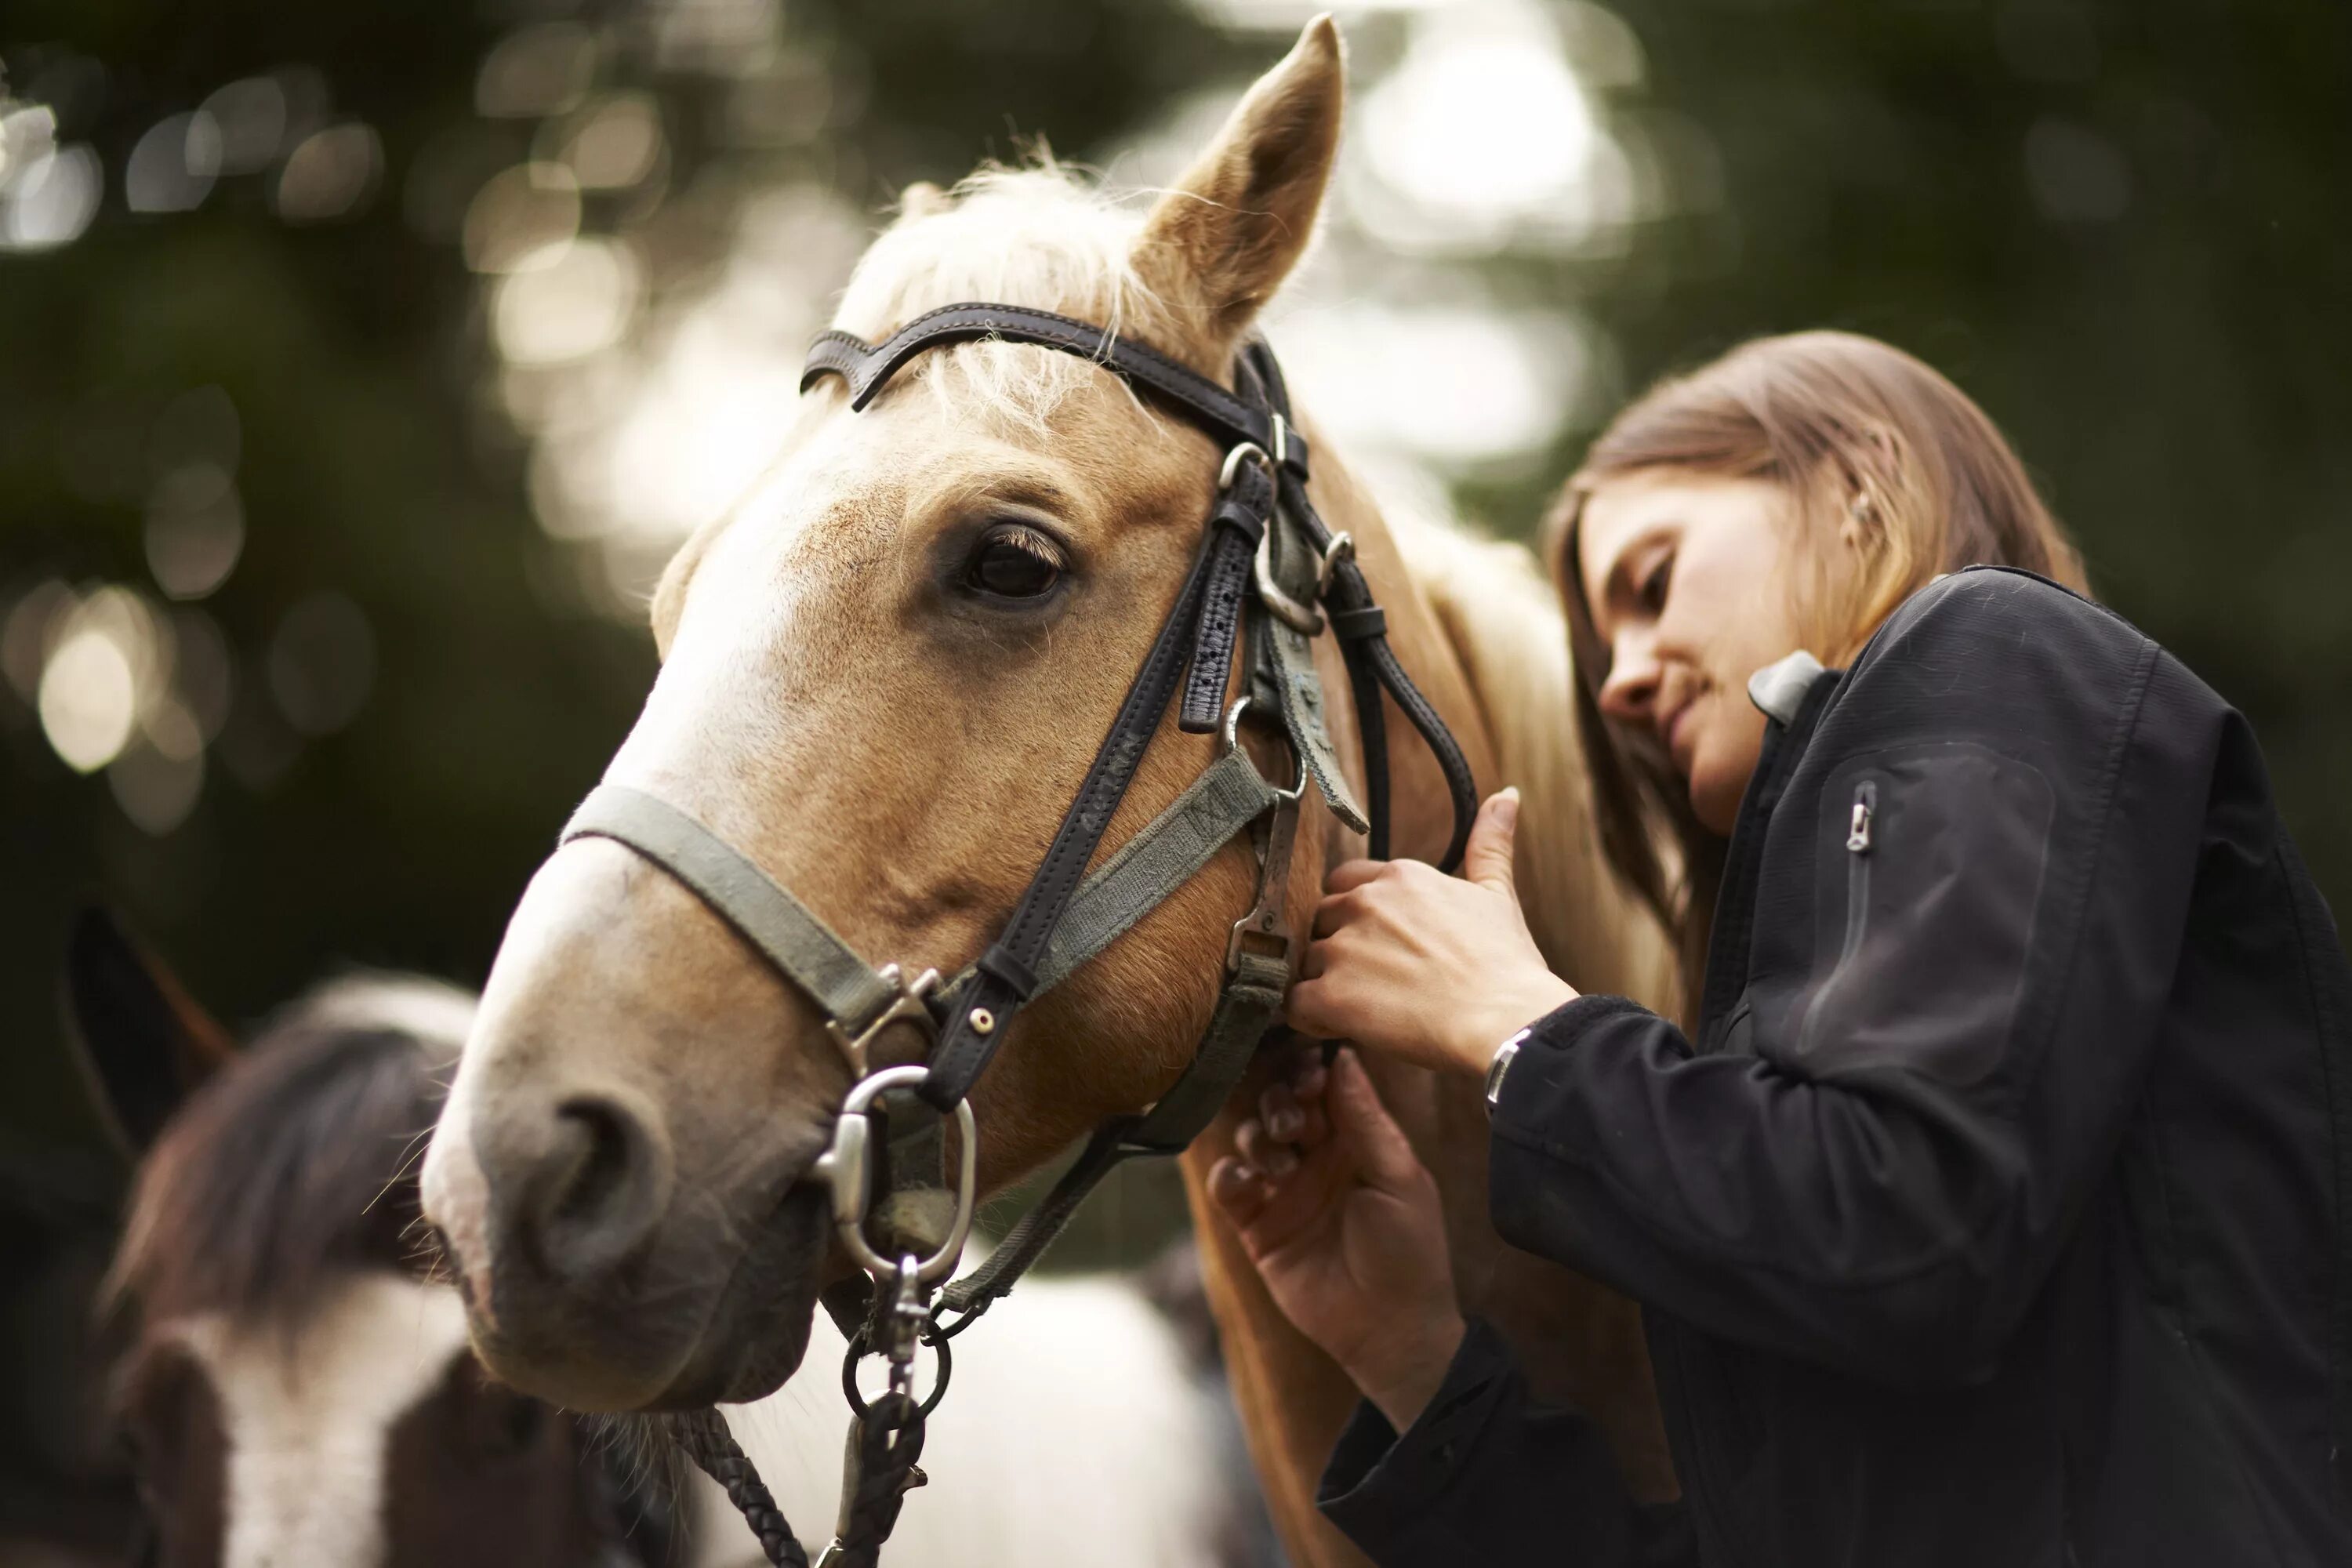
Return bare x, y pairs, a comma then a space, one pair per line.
1269, 577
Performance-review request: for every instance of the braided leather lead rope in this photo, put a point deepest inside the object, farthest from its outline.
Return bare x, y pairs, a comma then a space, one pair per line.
703, 1435
887, 1438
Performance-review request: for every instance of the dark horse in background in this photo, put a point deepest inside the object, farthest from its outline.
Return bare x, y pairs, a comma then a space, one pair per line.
296, 1391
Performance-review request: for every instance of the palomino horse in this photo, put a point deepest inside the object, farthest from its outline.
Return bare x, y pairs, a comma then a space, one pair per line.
300, 1392
885, 674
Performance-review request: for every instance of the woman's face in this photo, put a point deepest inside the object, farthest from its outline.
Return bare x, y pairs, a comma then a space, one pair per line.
1688, 577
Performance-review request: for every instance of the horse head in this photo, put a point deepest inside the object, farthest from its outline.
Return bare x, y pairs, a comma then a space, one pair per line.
885, 673
293, 1386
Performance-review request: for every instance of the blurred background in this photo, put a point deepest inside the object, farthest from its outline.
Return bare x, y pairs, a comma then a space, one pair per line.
360, 364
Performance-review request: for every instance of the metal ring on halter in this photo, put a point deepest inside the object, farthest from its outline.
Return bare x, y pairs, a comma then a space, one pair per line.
858, 1351
845, 1168
1233, 744
1244, 452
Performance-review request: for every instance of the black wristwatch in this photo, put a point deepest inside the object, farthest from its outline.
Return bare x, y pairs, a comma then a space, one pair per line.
1501, 1064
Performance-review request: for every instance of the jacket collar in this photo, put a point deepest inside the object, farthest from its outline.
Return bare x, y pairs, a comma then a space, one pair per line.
1792, 694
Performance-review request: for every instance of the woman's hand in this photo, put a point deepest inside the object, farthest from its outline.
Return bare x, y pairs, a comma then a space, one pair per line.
1342, 1220
1438, 970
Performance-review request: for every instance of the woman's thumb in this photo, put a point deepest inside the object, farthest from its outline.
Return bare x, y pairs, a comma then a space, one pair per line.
1487, 858
1384, 1153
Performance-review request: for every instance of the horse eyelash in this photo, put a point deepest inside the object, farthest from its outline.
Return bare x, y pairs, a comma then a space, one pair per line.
1028, 540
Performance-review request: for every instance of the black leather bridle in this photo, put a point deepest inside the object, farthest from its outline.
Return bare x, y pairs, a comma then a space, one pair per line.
1270, 577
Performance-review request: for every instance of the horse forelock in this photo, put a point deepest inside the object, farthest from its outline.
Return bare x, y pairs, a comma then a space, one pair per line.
1040, 236
298, 1162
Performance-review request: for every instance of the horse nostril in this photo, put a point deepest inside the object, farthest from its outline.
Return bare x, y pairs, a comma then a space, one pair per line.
607, 1182
602, 1167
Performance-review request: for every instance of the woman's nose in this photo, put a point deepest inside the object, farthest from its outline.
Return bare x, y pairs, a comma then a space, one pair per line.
1632, 682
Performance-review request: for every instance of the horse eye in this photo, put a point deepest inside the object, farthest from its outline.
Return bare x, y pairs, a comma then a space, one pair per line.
1014, 563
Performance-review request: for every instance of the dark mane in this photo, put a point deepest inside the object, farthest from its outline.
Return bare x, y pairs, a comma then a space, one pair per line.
295, 1164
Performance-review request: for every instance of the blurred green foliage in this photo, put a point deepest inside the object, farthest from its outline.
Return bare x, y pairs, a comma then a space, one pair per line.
2120, 226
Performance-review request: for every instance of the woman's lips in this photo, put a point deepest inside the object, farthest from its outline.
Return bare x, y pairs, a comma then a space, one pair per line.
1675, 729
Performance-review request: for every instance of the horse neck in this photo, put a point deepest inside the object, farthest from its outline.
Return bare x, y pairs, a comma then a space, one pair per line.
1482, 637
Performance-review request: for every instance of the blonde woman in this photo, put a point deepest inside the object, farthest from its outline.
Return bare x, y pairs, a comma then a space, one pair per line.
1993, 1209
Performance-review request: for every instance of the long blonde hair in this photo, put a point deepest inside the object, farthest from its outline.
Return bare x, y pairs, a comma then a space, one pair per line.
1875, 450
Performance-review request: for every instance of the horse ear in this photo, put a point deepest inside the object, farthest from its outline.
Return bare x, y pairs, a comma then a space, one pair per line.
1233, 226
144, 1044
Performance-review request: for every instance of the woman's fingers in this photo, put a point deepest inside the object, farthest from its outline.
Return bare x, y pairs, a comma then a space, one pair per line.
1334, 910
1238, 1190
1308, 1075
1352, 874
1309, 1007
1263, 1149
1278, 1107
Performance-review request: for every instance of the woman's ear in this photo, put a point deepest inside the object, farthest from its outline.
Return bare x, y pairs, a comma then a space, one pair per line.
142, 1044
1862, 522
1870, 474
1225, 237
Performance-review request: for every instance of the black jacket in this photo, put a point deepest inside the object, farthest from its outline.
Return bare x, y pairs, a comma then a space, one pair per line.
2001, 1213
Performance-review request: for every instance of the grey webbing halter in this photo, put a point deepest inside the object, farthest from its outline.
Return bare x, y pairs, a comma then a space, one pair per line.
1270, 577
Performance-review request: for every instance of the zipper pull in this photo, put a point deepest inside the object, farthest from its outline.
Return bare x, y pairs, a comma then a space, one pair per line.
1857, 838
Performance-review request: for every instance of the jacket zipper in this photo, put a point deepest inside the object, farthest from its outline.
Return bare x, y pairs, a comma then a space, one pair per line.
1857, 866
1860, 840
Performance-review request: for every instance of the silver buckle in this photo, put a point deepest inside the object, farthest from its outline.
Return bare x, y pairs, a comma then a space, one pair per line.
1304, 620
906, 1008
1265, 922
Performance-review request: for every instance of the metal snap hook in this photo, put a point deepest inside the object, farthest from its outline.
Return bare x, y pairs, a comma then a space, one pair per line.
846, 1168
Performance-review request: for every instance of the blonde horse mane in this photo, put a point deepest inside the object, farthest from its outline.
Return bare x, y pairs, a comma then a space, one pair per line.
1505, 625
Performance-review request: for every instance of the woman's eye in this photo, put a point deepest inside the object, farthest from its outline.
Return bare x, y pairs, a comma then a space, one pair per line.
1014, 563
1653, 586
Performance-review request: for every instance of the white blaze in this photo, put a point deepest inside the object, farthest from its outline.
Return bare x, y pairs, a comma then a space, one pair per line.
307, 1420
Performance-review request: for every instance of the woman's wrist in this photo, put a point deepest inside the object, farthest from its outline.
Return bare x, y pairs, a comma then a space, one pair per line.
1480, 1031
1402, 1379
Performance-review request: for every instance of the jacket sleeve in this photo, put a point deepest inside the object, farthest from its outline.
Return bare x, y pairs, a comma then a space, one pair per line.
1880, 1174
1487, 1476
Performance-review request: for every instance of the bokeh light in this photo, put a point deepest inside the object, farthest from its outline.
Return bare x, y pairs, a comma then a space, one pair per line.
175, 165
251, 116
523, 218
580, 301
330, 175
109, 658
